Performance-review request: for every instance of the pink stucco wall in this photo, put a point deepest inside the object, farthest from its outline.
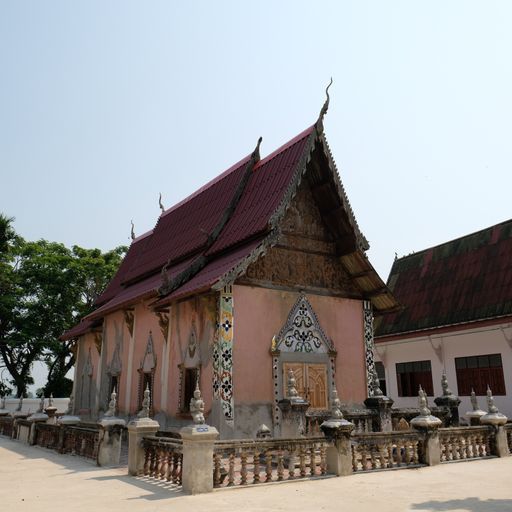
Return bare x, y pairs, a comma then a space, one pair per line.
260, 313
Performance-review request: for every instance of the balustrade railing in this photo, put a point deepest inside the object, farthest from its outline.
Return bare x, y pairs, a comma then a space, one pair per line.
464, 443
508, 430
81, 441
364, 420
249, 461
47, 436
163, 458
383, 450
6, 425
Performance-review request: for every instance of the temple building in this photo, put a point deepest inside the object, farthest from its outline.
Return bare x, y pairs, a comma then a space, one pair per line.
457, 319
262, 270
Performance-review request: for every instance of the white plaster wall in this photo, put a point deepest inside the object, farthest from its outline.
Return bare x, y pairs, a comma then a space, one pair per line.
31, 405
442, 350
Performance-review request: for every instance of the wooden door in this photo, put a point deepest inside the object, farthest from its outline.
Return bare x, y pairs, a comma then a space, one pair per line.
316, 391
311, 383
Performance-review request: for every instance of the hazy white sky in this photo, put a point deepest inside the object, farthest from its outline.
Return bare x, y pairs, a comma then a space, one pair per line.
105, 104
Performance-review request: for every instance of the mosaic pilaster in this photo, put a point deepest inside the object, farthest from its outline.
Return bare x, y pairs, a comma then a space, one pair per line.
368, 345
223, 356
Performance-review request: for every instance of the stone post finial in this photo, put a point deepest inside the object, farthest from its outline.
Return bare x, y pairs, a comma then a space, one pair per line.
422, 400
70, 408
41, 404
376, 383
197, 406
292, 390
335, 406
112, 405
3, 402
490, 402
50, 400
444, 385
20, 404
146, 403
474, 401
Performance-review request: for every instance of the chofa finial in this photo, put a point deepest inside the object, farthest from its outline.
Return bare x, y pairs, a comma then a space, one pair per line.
132, 234
325, 107
160, 202
256, 153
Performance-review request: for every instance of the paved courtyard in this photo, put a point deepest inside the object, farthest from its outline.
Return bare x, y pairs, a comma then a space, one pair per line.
33, 478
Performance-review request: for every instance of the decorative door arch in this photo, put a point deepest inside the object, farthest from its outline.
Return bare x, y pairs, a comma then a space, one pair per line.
302, 346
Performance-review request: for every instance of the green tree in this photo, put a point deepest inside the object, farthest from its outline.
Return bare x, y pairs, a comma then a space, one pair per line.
46, 288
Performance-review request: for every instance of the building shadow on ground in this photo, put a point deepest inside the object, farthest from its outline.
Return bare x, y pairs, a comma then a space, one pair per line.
473, 504
160, 490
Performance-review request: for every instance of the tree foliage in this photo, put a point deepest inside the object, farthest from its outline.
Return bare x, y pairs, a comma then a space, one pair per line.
46, 288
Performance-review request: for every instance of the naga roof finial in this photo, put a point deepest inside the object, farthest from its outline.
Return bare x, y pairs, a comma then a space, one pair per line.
160, 202
324, 109
256, 153
132, 234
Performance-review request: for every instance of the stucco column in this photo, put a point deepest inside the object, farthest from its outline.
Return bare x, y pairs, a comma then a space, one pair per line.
368, 345
197, 472
223, 406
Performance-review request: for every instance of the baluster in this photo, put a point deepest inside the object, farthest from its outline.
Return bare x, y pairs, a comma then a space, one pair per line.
180, 468
147, 458
463, 447
487, 441
449, 448
243, 470
382, 455
373, 462
154, 462
171, 460
280, 465
268, 462
323, 459
398, 454
364, 457
231, 471
415, 458
291, 464
481, 445
216, 469
302, 461
457, 447
256, 464
391, 459
312, 460
159, 462
354, 458
407, 452
173, 473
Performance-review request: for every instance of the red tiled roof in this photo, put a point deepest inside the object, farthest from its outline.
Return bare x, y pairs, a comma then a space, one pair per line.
115, 286
212, 272
182, 238
81, 328
466, 280
184, 229
264, 193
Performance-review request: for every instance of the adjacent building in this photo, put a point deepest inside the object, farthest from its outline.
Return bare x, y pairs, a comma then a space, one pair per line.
457, 318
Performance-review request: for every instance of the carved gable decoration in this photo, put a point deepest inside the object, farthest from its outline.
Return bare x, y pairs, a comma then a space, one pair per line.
148, 363
302, 331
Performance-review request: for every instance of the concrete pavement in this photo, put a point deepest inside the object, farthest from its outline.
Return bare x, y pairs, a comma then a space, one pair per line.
35, 479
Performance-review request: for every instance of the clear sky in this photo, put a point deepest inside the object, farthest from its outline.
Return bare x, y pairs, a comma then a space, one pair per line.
105, 104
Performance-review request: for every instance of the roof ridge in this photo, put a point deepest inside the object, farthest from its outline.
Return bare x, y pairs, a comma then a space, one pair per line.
469, 235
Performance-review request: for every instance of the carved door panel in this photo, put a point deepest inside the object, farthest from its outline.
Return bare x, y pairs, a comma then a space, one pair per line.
316, 391
300, 377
